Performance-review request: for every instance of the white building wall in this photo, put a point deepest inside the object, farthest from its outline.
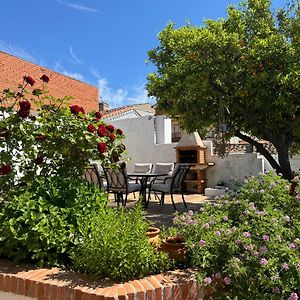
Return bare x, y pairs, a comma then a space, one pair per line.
141, 147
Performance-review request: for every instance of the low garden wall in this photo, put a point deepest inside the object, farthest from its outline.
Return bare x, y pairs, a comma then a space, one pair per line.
21, 282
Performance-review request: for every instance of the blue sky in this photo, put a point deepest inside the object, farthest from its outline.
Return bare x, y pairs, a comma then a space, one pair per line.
100, 42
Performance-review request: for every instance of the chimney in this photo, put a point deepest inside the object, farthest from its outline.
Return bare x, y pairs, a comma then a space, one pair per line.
103, 106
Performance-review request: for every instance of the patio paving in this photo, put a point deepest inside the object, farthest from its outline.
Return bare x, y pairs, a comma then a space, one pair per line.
162, 215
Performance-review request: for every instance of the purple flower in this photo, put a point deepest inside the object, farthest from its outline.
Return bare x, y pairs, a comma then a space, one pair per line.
245, 212
265, 238
218, 275
206, 226
251, 204
190, 212
246, 234
263, 249
218, 233
225, 218
263, 262
202, 243
256, 254
238, 241
227, 280
202, 209
249, 247
175, 220
292, 246
293, 296
285, 266
207, 280
287, 219
211, 222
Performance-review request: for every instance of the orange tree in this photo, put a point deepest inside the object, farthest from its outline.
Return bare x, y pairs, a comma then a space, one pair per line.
55, 140
239, 74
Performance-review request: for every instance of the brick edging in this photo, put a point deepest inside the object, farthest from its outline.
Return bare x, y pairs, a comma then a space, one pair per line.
56, 284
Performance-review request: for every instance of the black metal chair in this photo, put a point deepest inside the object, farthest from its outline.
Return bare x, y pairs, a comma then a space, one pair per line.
118, 184
171, 184
92, 175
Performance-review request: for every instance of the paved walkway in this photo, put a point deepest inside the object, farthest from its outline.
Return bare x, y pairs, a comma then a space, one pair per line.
160, 215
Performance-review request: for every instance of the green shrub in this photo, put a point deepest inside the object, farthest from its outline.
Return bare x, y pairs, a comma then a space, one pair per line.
247, 246
42, 223
115, 246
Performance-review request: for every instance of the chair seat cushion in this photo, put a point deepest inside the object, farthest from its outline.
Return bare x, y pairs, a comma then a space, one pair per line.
134, 187
161, 187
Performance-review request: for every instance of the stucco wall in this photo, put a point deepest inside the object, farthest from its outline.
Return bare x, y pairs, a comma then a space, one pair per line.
140, 141
141, 147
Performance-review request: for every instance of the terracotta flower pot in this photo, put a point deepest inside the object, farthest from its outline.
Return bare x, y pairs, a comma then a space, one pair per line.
175, 249
153, 235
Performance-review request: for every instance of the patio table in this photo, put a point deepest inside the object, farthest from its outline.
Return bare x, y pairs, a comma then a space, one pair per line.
143, 177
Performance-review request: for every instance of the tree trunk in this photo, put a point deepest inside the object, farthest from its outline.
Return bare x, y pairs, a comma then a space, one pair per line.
284, 160
283, 165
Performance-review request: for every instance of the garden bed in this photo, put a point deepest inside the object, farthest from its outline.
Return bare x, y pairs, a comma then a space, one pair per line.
54, 284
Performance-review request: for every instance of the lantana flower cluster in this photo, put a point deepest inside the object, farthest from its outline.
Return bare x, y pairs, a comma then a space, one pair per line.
248, 247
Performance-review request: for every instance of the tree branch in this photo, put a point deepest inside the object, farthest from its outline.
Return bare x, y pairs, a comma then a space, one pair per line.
261, 149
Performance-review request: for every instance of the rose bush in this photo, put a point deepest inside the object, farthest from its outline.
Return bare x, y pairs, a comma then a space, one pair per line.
42, 136
248, 247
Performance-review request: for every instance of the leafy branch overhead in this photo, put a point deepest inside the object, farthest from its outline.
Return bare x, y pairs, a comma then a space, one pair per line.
242, 71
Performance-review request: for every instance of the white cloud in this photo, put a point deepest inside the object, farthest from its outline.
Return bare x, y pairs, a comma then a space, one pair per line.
120, 97
18, 52
78, 6
74, 57
60, 69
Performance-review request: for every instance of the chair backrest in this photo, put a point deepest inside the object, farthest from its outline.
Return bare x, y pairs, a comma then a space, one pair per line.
165, 168
92, 175
178, 176
142, 168
117, 180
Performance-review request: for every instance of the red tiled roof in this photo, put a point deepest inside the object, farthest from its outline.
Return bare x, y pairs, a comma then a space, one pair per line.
123, 109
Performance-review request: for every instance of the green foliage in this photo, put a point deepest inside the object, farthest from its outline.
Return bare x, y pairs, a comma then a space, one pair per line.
115, 245
242, 71
248, 246
57, 140
43, 222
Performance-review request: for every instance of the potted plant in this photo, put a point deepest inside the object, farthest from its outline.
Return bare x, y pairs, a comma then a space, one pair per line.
174, 245
153, 235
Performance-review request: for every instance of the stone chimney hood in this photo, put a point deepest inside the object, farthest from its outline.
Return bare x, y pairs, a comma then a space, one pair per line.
190, 140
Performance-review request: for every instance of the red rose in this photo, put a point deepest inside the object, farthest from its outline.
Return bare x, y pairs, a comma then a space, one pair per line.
81, 110
75, 109
102, 131
101, 147
24, 105
91, 128
110, 128
29, 80
119, 131
45, 78
39, 160
112, 136
41, 137
98, 115
23, 113
5, 170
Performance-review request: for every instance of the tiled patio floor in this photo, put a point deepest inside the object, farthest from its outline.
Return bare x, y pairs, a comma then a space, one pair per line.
160, 215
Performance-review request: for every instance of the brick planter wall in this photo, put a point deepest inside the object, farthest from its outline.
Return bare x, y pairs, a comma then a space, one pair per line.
20, 282
12, 70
